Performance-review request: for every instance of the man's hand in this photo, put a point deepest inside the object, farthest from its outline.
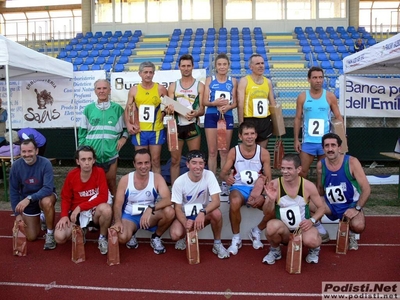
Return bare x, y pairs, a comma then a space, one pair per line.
22, 205
120, 143
297, 146
191, 115
145, 219
75, 214
199, 222
230, 179
271, 191
189, 224
350, 213
118, 226
256, 202
306, 224
63, 223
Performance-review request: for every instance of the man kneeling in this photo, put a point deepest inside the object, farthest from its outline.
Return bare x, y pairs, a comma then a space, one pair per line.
135, 204
291, 194
84, 199
190, 193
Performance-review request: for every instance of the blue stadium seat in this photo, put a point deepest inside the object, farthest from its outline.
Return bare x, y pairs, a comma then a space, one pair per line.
72, 54
120, 46
126, 52
94, 53
78, 61
105, 53
235, 43
304, 43
127, 33
306, 49
84, 41
103, 40
198, 44
332, 82
222, 50
326, 64
257, 30
173, 44
334, 57
183, 51
349, 42
137, 33
113, 40
188, 31
330, 49
315, 42
338, 64
298, 30
342, 49
177, 32
222, 43
322, 36
313, 64
99, 60
326, 42
107, 34
209, 50
83, 67
210, 44
308, 55
69, 47
196, 57
247, 43
248, 50
258, 37
246, 56
93, 40
99, 47
351, 49
62, 54
223, 30
89, 34
98, 34
166, 66
355, 35
344, 36
200, 31
235, 57
345, 54
96, 67
235, 50
89, 61
109, 46
211, 31
361, 29
79, 47
330, 72
110, 60
79, 35
246, 30
333, 35
170, 51
322, 57
196, 50
168, 58
319, 29
123, 40
198, 38
119, 68
302, 36
351, 29
118, 33
309, 29
319, 49
88, 47
206, 64
259, 43
123, 60
107, 67
340, 29
338, 42
83, 53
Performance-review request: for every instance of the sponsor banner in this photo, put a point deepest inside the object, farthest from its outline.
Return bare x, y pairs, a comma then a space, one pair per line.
371, 97
121, 82
360, 290
50, 102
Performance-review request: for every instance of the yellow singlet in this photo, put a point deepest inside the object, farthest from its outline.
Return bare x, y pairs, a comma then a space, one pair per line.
148, 104
256, 104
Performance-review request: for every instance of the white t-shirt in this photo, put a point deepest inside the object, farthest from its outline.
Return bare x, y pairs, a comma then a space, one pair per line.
185, 191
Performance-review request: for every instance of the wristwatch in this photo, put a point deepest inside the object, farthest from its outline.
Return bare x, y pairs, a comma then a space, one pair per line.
358, 208
153, 208
29, 198
313, 220
203, 211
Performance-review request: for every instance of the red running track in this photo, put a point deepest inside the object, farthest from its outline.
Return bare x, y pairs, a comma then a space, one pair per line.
145, 275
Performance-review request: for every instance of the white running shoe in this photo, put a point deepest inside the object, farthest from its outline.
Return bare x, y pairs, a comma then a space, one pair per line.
220, 250
256, 239
313, 255
272, 256
180, 244
235, 246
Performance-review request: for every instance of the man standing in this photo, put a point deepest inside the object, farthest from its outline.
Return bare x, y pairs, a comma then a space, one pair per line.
103, 128
255, 96
313, 113
190, 193
342, 182
84, 199
249, 161
135, 204
32, 190
145, 98
289, 196
188, 91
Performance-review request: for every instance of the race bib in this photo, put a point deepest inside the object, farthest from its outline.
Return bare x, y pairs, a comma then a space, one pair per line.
138, 209
291, 216
316, 127
146, 113
248, 177
260, 108
335, 194
192, 209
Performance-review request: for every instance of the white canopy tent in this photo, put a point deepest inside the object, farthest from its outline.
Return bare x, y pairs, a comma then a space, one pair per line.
18, 62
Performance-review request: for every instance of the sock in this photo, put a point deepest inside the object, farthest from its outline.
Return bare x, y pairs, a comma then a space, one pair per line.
50, 231
236, 236
154, 235
320, 228
276, 249
102, 237
256, 229
216, 242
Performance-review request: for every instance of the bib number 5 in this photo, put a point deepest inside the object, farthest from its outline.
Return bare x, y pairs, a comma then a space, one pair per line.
146, 113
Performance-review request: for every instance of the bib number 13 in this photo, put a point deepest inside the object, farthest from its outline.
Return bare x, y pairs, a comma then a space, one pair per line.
335, 195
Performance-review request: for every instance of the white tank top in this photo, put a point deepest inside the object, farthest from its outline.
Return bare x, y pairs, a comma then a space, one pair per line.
247, 170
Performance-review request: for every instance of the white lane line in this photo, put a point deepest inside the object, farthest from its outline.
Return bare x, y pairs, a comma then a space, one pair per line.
227, 293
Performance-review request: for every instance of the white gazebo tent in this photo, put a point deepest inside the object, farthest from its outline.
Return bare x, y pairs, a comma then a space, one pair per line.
18, 62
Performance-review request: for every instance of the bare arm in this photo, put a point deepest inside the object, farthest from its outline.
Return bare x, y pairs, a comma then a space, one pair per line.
333, 102
271, 96
319, 179
179, 214
225, 174
130, 108
206, 97
201, 109
241, 91
119, 200
314, 196
163, 191
266, 162
297, 120
358, 173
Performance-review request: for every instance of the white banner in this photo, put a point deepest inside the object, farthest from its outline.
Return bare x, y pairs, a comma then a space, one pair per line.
122, 82
371, 97
49, 103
